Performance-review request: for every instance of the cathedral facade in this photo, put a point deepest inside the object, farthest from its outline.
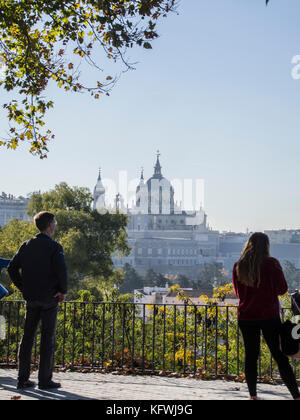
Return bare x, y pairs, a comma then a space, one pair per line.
162, 236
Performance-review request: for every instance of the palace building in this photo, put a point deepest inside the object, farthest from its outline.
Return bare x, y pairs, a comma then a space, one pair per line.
12, 208
162, 235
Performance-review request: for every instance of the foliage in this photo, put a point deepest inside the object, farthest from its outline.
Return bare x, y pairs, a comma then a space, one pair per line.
117, 335
62, 197
89, 239
292, 275
132, 280
13, 235
153, 279
47, 41
224, 292
210, 276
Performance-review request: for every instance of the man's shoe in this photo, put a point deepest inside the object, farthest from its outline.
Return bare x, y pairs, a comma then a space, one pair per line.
50, 385
25, 384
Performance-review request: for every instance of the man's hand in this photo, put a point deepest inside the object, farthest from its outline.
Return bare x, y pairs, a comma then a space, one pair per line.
60, 297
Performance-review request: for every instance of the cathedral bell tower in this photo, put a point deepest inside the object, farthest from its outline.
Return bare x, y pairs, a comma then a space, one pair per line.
142, 195
99, 194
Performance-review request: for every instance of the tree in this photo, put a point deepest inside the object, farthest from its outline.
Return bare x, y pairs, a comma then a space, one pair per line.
89, 239
43, 41
153, 279
132, 280
13, 235
63, 197
292, 275
211, 275
184, 281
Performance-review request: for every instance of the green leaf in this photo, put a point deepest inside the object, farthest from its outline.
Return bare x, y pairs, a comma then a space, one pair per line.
37, 35
147, 45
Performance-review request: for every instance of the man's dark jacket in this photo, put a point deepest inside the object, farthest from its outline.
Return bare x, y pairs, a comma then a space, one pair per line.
38, 269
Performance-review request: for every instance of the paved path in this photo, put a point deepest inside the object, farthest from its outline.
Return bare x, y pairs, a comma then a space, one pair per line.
97, 386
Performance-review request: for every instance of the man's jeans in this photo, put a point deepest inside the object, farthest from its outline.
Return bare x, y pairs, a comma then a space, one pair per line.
36, 312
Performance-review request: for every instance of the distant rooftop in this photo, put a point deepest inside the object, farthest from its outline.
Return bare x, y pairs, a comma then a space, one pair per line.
191, 293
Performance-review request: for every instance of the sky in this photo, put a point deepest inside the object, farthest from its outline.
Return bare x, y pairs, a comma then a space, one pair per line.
218, 96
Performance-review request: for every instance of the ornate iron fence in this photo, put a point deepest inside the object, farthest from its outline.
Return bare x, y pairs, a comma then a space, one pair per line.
202, 340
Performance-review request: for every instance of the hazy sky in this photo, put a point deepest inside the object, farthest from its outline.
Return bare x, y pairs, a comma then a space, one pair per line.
216, 96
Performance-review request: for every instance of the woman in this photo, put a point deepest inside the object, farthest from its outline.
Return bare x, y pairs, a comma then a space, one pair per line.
258, 280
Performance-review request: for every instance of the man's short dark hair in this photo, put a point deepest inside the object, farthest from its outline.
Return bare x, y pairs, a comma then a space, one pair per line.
43, 219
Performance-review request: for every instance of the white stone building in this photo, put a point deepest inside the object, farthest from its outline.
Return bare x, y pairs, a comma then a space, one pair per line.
99, 194
162, 235
173, 241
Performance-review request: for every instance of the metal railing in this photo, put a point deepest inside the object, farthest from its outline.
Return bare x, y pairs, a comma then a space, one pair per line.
199, 340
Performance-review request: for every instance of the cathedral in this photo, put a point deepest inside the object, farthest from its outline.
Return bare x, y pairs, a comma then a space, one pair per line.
162, 236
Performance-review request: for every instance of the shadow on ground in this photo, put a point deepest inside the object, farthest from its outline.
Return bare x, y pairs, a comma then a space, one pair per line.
10, 384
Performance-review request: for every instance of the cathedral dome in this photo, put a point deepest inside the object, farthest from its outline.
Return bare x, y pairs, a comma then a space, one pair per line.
160, 192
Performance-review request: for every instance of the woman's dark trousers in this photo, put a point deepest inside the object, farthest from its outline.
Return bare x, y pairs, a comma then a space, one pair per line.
251, 331
47, 314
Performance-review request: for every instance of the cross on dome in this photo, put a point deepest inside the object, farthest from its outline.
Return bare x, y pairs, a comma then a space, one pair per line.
157, 167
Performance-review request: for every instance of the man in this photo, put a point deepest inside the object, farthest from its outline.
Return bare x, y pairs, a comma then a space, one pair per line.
39, 271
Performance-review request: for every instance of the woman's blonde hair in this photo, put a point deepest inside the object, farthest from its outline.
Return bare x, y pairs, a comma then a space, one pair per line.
248, 266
